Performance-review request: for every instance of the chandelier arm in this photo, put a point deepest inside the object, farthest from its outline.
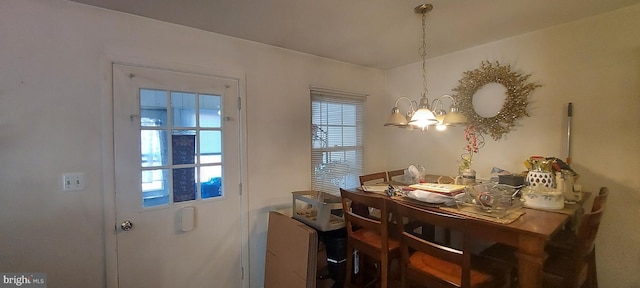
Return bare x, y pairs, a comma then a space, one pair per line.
411, 102
435, 102
439, 101
453, 100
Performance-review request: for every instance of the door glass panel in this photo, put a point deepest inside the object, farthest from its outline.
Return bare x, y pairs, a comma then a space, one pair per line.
153, 147
210, 147
171, 155
210, 111
211, 179
183, 108
153, 107
183, 149
184, 184
155, 186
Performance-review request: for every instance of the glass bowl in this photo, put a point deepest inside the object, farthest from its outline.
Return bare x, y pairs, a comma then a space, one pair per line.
495, 200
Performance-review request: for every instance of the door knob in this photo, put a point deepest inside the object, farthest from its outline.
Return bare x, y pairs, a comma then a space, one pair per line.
126, 225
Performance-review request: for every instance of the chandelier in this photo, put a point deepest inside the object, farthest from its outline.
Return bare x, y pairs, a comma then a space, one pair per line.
421, 114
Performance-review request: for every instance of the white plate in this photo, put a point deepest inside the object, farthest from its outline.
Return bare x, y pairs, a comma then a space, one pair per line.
429, 197
441, 188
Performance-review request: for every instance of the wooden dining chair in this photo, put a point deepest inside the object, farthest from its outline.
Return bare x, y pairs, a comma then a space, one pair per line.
370, 236
379, 177
599, 202
565, 241
566, 238
395, 173
572, 266
572, 269
426, 263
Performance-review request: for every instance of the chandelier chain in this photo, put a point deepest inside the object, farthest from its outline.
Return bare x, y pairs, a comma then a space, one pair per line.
423, 54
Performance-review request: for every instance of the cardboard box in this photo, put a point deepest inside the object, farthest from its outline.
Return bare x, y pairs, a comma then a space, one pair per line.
292, 253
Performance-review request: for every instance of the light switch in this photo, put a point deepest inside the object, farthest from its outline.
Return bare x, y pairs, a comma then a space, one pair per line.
73, 181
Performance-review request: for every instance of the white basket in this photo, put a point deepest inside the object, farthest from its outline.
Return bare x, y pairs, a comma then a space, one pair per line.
315, 208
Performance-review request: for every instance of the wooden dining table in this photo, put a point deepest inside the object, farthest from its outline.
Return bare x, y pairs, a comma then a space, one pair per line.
529, 233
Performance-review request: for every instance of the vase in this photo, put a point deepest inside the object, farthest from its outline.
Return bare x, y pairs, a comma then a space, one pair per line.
466, 177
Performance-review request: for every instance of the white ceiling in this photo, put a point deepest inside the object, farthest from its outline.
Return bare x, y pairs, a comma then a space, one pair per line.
376, 33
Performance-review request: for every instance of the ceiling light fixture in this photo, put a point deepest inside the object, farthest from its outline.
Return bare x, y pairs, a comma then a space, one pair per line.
424, 117
451, 118
399, 120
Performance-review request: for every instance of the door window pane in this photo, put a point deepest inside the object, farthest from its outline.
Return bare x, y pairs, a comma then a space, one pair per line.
183, 149
183, 107
155, 184
184, 184
210, 111
172, 156
211, 179
153, 108
210, 147
153, 147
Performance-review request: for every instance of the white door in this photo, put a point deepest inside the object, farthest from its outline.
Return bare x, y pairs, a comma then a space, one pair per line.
177, 163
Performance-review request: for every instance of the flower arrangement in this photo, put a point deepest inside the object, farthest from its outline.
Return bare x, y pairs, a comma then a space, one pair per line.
475, 141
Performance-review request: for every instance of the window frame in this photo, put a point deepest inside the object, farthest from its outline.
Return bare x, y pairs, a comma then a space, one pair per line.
337, 149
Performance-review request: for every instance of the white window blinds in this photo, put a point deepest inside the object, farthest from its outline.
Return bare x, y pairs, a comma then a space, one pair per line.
336, 137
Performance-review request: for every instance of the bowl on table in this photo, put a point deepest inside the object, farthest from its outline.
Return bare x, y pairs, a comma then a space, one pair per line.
492, 199
542, 197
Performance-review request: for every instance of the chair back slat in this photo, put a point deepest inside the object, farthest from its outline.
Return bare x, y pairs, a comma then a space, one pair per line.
379, 177
432, 248
395, 173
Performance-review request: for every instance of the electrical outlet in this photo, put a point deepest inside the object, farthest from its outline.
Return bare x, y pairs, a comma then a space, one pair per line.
72, 181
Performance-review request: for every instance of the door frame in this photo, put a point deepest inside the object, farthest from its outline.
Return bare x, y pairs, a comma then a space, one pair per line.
108, 155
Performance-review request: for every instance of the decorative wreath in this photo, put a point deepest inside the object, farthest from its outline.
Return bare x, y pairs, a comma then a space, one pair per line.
514, 107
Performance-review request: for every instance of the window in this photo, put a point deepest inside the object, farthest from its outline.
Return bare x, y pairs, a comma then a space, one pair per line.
336, 139
180, 147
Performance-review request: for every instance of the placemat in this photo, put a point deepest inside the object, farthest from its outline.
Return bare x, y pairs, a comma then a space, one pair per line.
471, 212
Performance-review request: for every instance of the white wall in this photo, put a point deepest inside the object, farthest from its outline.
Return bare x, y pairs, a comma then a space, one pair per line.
593, 63
55, 118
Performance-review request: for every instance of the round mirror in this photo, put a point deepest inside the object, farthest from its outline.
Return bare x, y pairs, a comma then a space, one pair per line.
489, 99
493, 97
